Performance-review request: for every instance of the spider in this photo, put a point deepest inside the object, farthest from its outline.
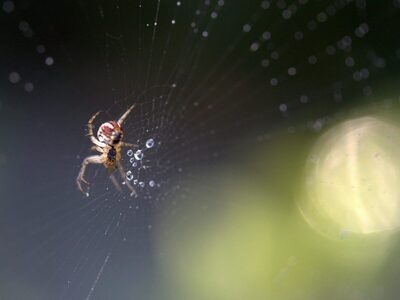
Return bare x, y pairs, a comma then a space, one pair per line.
109, 143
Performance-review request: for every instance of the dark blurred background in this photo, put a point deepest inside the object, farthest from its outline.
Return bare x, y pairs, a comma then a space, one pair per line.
274, 173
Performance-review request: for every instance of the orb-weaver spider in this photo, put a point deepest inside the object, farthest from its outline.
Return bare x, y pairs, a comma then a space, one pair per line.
109, 144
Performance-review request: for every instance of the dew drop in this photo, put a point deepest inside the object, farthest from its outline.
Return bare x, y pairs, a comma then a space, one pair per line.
129, 175
246, 27
254, 47
312, 60
304, 99
28, 87
130, 152
265, 63
40, 49
8, 6
141, 184
292, 71
152, 183
49, 61
23, 26
139, 155
14, 77
266, 36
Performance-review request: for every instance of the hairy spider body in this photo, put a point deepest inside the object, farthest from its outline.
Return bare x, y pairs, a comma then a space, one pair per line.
113, 155
109, 144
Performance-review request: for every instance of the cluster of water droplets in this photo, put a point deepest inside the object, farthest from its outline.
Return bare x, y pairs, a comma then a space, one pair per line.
138, 162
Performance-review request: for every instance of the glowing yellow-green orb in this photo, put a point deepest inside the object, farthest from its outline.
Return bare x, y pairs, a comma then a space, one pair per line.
352, 182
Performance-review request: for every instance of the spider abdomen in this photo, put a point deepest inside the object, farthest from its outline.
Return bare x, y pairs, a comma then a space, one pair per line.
113, 156
112, 153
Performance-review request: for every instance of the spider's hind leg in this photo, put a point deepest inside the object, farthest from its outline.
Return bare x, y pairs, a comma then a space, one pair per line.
94, 159
127, 183
115, 182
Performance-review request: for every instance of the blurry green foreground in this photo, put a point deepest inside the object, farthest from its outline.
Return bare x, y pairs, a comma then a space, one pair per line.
311, 217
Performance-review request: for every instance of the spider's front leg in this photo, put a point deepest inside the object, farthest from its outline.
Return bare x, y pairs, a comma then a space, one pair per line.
94, 159
123, 144
97, 148
90, 131
123, 117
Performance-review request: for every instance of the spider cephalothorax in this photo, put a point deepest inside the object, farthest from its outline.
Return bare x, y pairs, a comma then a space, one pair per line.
109, 144
110, 133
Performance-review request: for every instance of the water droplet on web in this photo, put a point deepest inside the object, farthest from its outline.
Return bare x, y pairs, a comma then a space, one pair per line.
135, 181
141, 184
14, 77
8, 6
152, 183
23, 26
246, 27
304, 99
254, 47
149, 143
265, 4
292, 71
274, 82
266, 35
129, 153
134, 164
139, 155
349, 61
129, 175
49, 61
312, 60
265, 63
28, 87
132, 159
40, 49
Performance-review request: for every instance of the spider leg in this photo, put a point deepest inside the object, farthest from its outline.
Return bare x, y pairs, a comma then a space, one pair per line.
94, 159
123, 117
115, 182
122, 172
96, 148
90, 131
123, 144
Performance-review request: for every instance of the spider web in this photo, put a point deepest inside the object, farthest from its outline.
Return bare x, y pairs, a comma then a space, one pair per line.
210, 81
